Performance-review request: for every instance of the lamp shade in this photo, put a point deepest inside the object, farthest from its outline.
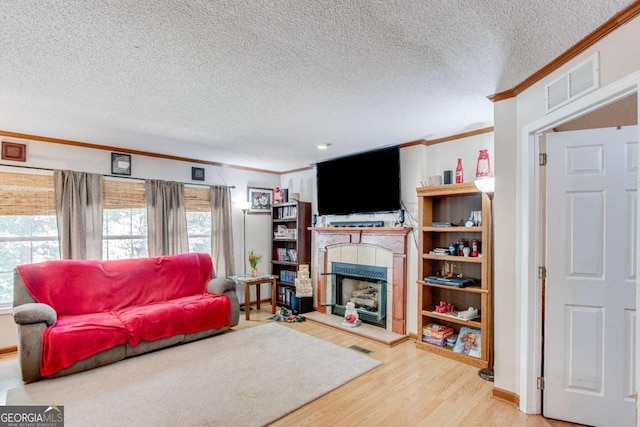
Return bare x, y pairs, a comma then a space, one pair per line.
245, 205
486, 185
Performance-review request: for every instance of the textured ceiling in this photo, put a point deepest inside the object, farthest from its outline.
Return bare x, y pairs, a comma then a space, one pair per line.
260, 83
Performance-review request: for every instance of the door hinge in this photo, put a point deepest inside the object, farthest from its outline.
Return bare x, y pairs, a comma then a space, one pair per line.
542, 157
542, 272
540, 383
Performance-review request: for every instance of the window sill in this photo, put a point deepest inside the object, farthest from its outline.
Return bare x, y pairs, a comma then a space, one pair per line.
5, 310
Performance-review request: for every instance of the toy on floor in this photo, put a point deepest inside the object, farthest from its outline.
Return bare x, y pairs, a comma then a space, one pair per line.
284, 315
351, 318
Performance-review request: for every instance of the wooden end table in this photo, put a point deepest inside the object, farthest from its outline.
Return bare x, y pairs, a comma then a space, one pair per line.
248, 281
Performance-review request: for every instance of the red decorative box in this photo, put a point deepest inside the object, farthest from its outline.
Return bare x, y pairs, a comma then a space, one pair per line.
436, 334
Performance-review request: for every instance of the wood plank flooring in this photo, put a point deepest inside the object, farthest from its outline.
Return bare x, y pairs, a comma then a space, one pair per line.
412, 387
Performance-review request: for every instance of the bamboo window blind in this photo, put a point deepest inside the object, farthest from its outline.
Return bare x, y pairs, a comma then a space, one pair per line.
26, 194
33, 194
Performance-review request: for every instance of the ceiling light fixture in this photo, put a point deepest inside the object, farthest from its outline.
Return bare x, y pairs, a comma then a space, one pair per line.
323, 146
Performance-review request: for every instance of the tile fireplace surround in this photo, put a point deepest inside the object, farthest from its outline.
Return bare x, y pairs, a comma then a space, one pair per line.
379, 246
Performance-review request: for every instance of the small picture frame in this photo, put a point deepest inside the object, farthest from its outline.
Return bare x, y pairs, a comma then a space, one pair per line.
469, 342
197, 174
120, 164
261, 200
14, 151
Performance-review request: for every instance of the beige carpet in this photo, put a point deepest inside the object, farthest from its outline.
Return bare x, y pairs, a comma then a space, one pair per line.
243, 378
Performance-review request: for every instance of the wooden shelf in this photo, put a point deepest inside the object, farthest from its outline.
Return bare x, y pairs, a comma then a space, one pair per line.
451, 258
451, 204
293, 216
453, 229
475, 323
291, 263
285, 284
476, 289
448, 352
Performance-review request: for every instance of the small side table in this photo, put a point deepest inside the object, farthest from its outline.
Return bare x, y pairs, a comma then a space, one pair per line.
250, 280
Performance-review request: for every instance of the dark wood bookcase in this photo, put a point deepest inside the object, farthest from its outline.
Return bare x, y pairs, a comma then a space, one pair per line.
291, 246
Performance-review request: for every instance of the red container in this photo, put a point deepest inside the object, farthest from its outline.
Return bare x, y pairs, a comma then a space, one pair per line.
483, 167
459, 172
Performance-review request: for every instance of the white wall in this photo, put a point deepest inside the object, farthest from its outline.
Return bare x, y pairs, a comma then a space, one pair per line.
58, 156
619, 57
444, 156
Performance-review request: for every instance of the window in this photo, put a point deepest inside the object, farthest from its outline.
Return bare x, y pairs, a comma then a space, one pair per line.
198, 206
199, 231
28, 228
124, 234
124, 220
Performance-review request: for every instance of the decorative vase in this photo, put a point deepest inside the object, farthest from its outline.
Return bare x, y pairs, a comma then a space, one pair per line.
254, 271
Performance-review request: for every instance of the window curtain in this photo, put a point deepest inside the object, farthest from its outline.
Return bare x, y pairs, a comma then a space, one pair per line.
166, 218
222, 232
79, 213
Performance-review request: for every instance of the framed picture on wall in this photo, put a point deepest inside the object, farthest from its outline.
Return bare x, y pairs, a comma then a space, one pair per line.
120, 164
261, 200
14, 151
197, 174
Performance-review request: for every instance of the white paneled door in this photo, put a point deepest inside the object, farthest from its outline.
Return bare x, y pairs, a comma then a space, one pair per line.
590, 318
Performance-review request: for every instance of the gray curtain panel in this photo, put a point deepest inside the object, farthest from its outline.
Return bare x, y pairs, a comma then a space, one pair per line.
222, 232
166, 218
79, 214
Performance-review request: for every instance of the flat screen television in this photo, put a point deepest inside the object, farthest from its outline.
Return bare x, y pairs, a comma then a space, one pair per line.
361, 183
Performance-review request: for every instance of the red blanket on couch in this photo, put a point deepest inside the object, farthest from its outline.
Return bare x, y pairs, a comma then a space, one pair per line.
102, 304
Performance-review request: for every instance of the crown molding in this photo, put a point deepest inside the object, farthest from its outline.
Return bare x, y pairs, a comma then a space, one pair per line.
618, 20
458, 136
127, 151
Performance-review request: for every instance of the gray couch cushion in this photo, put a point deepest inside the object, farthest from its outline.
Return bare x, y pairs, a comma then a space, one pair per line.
34, 312
219, 285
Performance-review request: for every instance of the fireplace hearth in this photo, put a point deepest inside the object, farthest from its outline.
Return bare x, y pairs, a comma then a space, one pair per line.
363, 285
378, 246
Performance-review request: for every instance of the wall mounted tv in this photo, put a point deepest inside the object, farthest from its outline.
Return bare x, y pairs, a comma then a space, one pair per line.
362, 183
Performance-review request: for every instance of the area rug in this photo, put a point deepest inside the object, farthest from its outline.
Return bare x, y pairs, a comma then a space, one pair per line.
249, 377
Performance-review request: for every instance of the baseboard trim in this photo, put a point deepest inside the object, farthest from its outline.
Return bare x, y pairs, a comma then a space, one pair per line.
506, 396
8, 350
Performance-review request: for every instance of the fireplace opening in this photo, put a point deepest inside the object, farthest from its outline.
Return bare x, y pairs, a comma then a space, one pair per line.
363, 285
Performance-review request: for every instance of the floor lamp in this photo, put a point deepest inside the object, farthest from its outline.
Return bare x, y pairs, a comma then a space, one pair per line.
487, 186
245, 208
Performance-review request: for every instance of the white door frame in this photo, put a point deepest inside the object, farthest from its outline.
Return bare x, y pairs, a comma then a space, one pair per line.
528, 228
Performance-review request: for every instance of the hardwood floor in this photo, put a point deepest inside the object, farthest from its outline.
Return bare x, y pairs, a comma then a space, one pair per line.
412, 387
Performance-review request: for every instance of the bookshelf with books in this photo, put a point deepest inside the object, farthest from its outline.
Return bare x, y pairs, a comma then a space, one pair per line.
454, 272
291, 245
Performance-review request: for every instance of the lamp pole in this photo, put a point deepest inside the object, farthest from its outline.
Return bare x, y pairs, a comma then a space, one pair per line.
244, 206
244, 239
487, 186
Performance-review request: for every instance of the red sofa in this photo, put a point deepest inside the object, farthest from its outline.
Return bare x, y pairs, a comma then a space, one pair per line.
75, 315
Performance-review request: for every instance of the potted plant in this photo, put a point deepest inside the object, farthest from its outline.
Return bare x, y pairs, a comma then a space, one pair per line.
254, 259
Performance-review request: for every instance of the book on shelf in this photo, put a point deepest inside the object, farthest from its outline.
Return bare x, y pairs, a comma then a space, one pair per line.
469, 342
285, 294
288, 276
282, 232
287, 212
287, 255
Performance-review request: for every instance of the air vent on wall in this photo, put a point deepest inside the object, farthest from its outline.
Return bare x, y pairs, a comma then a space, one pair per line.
578, 81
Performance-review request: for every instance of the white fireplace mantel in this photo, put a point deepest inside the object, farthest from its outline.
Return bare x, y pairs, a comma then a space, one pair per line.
393, 239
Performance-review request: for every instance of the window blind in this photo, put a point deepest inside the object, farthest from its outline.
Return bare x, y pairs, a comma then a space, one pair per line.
197, 199
26, 194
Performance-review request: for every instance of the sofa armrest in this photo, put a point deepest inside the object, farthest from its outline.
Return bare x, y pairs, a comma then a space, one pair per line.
26, 314
220, 285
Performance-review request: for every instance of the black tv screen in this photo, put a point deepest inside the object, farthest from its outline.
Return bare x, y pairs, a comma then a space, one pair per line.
362, 183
